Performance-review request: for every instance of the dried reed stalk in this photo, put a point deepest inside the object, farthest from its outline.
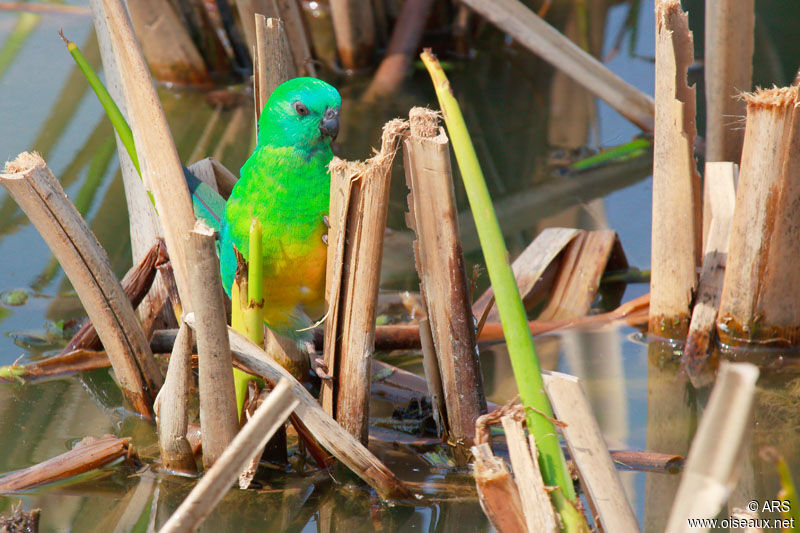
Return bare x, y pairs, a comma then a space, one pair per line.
140, 208
440, 264
433, 377
759, 302
532, 265
353, 287
354, 27
586, 445
89, 454
536, 506
497, 492
580, 270
328, 433
218, 418
170, 52
162, 171
677, 216
730, 25
297, 35
719, 178
172, 406
136, 282
268, 418
711, 466
39, 194
531, 31
272, 64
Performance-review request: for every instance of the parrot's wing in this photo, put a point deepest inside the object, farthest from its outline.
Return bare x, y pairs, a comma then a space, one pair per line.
207, 203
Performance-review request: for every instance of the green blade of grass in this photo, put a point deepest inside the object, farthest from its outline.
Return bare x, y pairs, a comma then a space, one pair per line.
113, 112
524, 362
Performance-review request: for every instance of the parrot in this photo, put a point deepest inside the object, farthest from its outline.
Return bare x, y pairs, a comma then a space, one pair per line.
285, 185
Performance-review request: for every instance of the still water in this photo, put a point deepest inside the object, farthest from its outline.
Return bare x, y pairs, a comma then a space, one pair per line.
525, 119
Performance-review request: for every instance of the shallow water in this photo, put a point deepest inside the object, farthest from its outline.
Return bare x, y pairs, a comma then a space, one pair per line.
523, 117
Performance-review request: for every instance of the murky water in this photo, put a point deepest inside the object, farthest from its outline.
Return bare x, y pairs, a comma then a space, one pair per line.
523, 116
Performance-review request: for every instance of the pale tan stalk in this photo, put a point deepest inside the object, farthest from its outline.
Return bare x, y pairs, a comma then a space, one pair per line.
711, 466
352, 335
172, 406
218, 418
272, 64
268, 418
140, 208
162, 172
37, 191
587, 447
759, 302
532, 32
440, 264
536, 506
677, 216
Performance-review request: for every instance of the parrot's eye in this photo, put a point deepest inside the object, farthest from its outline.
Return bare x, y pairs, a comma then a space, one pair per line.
301, 109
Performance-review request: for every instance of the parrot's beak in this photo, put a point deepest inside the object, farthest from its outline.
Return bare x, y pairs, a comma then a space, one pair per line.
330, 123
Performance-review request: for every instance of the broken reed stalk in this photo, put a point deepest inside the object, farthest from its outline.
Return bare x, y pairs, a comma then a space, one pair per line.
354, 28
524, 362
402, 48
587, 448
759, 297
268, 418
529, 268
711, 466
497, 491
170, 52
536, 506
136, 282
219, 420
162, 171
677, 217
138, 200
532, 32
272, 64
172, 406
87, 455
730, 25
720, 178
37, 191
440, 264
330, 435
433, 378
350, 328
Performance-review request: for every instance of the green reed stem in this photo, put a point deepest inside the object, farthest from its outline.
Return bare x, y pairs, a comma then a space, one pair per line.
524, 362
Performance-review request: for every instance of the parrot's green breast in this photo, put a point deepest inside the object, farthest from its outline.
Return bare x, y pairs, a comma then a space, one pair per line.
291, 213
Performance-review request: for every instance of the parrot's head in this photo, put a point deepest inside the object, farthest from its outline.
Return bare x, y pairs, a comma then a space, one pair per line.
301, 112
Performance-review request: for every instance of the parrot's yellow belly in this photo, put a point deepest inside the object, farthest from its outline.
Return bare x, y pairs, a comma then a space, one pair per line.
296, 280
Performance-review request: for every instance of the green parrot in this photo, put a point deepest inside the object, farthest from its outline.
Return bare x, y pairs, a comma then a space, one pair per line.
284, 184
